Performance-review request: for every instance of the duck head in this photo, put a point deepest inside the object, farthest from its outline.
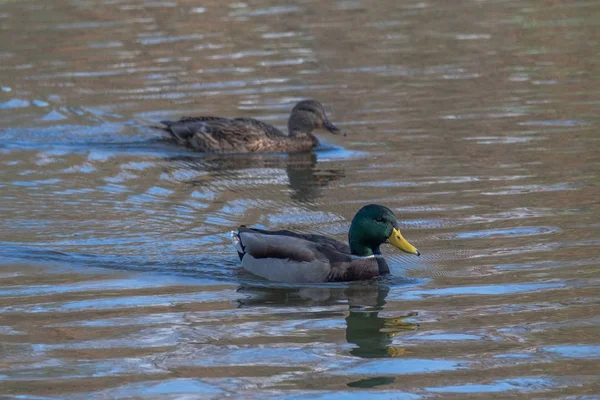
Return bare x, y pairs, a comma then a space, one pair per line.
374, 225
309, 115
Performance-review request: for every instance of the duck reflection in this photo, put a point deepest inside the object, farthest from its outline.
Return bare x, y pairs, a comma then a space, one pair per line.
306, 177
370, 333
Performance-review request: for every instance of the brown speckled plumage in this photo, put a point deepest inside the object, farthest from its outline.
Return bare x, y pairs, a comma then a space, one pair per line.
247, 135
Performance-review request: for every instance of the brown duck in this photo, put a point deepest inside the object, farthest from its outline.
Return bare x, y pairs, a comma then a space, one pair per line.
247, 135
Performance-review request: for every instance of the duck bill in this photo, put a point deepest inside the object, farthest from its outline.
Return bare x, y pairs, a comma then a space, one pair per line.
397, 240
333, 129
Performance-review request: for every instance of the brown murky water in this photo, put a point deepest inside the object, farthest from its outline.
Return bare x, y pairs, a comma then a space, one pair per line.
476, 121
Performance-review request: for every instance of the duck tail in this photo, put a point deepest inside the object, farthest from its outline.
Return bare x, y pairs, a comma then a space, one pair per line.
159, 128
180, 132
237, 243
166, 126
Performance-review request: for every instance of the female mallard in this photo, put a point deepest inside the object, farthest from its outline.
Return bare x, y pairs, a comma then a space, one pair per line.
247, 135
286, 256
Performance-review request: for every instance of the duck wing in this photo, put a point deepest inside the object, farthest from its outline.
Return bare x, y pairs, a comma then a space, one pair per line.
316, 239
267, 129
287, 256
215, 134
184, 128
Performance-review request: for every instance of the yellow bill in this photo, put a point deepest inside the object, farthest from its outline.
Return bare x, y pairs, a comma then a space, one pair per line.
397, 240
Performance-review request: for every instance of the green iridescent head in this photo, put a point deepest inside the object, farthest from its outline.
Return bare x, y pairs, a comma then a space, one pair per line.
374, 225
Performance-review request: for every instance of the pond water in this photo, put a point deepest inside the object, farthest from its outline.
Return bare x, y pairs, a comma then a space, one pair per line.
476, 121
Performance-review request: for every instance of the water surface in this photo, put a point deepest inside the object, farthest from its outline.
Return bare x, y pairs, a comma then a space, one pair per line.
475, 121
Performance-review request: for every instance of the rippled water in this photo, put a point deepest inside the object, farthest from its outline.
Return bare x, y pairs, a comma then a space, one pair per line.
476, 121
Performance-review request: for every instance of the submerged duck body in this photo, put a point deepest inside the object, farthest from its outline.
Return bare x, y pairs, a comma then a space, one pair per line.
286, 256
247, 135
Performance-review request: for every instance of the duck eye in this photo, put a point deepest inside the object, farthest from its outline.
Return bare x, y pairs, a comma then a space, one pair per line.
379, 219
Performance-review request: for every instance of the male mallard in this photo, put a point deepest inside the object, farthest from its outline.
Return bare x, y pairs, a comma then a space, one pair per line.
305, 258
247, 135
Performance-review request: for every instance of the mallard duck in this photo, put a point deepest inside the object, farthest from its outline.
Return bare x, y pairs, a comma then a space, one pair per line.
247, 135
286, 256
